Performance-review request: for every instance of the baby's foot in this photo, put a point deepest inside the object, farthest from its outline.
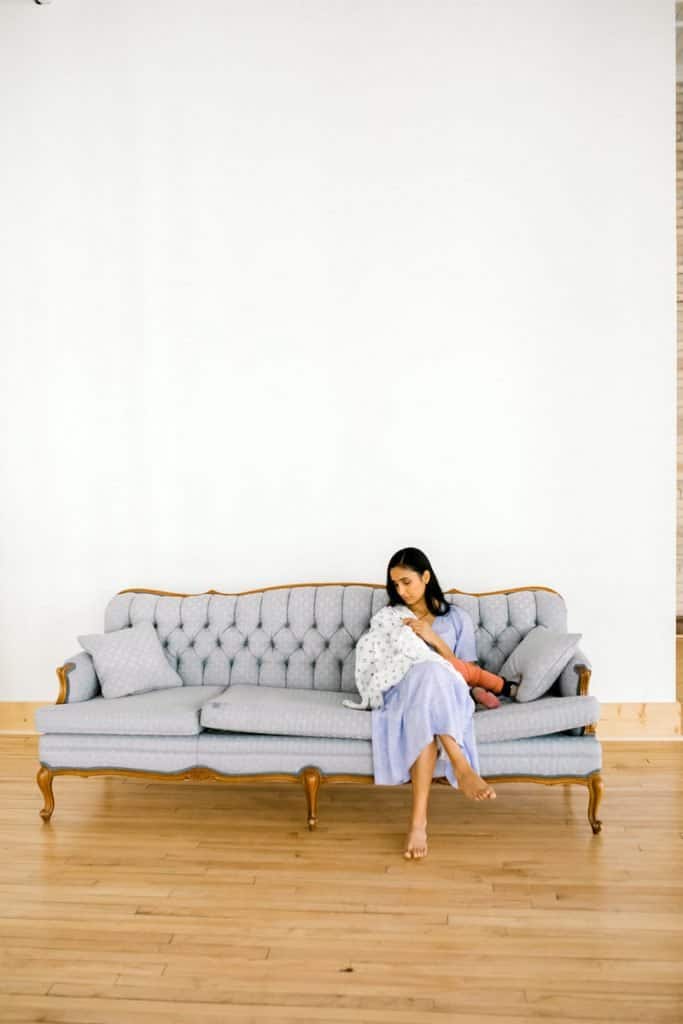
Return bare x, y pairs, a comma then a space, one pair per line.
416, 843
473, 786
485, 697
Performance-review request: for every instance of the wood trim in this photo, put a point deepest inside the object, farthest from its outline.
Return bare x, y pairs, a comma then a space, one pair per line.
649, 721
310, 776
341, 583
62, 676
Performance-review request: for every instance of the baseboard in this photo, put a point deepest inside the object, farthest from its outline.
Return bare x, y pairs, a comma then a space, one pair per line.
654, 721
659, 720
17, 716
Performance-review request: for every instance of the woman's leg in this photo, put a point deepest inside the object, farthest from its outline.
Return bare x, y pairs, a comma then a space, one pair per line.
469, 782
421, 773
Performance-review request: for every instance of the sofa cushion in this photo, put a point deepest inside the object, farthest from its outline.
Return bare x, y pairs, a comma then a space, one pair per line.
172, 712
538, 660
543, 717
285, 711
130, 661
278, 711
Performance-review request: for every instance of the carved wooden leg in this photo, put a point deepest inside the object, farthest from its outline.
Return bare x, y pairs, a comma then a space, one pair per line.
311, 781
595, 791
44, 779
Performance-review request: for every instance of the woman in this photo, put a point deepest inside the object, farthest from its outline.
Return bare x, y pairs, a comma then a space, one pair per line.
425, 728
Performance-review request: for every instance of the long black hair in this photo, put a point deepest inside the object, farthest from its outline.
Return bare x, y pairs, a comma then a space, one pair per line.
413, 558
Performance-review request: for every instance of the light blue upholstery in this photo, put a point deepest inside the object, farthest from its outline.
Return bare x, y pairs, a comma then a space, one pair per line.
538, 661
292, 712
305, 636
129, 661
545, 756
146, 753
540, 717
81, 680
246, 754
172, 712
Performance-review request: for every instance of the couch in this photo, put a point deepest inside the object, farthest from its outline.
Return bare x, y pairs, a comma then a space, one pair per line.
264, 674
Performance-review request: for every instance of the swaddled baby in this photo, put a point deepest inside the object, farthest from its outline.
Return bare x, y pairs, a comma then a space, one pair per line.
385, 653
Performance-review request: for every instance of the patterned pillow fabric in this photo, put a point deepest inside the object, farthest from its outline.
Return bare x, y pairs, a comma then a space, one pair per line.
130, 661
538, 660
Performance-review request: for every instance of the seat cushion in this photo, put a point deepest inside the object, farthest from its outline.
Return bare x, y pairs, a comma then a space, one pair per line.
282, 711
542, 717
171, 712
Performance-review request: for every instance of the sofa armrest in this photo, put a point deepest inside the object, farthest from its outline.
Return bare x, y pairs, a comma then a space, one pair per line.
574, 682
77, 679
575, 677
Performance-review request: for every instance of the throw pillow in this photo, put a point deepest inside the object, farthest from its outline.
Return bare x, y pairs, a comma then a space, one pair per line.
130, 660
538, 660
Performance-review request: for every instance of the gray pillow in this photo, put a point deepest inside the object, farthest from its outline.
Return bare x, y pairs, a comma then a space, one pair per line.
538, 660
130, 660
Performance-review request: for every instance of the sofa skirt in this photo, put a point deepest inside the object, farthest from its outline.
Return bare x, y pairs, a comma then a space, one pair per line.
254, 754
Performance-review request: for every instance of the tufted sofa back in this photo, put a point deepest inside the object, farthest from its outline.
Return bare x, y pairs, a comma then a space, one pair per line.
304, 636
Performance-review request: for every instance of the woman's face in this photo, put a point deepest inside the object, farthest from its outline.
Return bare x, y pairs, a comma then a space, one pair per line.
410, 586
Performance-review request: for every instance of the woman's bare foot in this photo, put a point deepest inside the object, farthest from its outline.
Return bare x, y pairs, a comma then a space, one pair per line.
485, 697
416, 843
473, 786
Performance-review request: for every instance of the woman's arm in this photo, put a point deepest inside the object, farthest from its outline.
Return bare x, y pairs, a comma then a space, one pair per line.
443, 649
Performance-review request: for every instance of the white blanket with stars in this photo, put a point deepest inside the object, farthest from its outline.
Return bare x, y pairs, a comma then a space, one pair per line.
385, 653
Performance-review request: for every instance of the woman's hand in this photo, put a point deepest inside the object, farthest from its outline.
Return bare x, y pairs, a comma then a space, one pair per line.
424, 630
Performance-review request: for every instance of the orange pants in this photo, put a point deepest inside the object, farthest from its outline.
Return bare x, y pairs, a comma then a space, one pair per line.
475, 675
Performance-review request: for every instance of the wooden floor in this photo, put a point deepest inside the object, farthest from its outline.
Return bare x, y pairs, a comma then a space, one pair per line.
185, 902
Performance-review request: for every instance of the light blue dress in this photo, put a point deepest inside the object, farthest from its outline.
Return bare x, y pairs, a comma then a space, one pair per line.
428, 700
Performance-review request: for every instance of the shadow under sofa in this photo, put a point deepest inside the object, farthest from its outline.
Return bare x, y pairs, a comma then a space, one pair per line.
282, 661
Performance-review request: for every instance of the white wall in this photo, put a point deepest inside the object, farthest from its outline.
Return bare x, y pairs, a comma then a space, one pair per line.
289, 285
